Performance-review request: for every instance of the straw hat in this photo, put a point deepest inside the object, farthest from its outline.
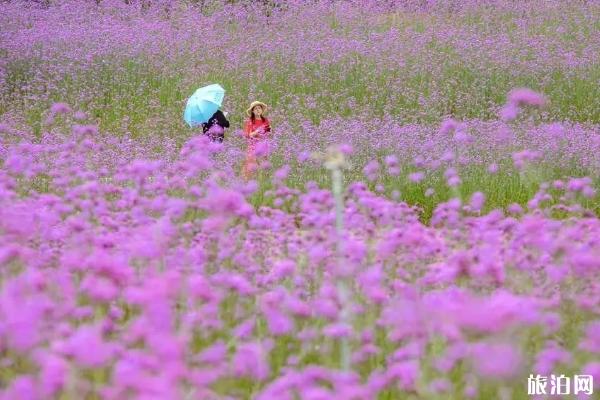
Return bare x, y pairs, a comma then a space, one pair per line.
254, 104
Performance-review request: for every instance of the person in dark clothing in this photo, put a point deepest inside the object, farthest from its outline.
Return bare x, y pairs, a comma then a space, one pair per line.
215, 127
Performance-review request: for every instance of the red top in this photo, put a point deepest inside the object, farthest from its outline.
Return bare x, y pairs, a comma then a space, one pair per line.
251, 126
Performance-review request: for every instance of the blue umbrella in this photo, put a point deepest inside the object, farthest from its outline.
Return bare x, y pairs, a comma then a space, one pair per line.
203, 104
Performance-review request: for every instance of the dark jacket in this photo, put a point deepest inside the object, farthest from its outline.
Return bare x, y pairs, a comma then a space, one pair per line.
217, 118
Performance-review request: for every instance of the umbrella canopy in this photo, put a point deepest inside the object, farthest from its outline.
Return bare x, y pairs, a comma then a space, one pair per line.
203, 104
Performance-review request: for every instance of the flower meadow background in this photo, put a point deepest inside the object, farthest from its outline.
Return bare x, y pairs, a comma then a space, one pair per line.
424, 225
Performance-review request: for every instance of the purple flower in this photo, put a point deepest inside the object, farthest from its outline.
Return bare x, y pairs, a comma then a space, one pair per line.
525, 96
22, 388
227, 202
448, 126
346, 149
278, 323
355, 250
244, 330
99, 289
515, 208
337, 331
496, 360
588, 192
371, 170
60, 108
591, 342
250, 360
80, 115
576, 184
440, 385
406, 373
391, 161
508, 112
88, 348
53, 375
282, 173
303, 156
593, 369
262, 148
214, 354
453, 181
548, 358
477, 201
493, 168
283, 269
416, 177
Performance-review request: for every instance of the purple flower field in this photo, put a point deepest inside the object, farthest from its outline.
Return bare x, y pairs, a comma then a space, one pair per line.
423, 225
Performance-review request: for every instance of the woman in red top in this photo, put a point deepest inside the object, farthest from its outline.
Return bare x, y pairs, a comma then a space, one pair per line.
256, 129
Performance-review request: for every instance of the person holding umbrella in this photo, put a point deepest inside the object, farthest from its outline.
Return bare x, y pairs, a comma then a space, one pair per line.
202, 109
215, 127
256, 129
